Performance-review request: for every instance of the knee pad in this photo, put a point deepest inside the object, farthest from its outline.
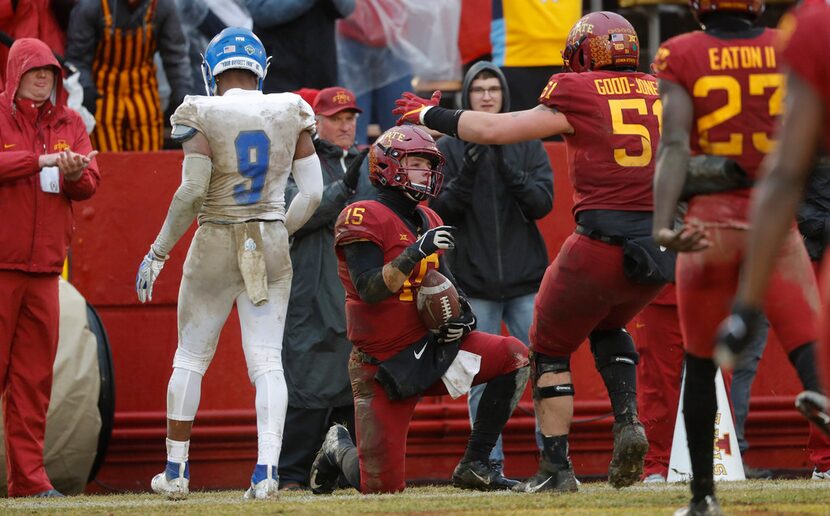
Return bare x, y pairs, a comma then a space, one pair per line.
613, 347
542, 364
190, 361
184, 392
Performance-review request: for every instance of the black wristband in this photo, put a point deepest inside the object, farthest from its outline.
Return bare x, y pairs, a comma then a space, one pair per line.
443, 120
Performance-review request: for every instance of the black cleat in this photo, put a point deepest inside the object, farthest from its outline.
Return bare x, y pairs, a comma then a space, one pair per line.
481, 476
325, 469
630, 448
550, 477
709, 506
815, 407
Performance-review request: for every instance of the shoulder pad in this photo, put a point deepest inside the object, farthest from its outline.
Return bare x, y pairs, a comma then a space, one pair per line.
182, 133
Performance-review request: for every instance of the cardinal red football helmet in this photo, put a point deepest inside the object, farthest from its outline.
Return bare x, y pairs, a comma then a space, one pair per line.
753, 8
601, 40
389, 150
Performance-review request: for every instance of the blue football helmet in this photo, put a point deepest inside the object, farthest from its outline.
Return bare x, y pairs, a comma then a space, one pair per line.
234, 47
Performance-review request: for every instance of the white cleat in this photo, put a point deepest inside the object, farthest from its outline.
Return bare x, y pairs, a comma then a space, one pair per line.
173, 482
264, 483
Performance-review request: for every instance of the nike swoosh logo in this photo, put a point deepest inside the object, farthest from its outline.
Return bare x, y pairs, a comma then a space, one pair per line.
485, 480
529, 489
419, 353
8, 145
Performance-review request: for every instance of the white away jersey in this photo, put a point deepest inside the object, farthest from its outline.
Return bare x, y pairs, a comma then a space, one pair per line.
252, 137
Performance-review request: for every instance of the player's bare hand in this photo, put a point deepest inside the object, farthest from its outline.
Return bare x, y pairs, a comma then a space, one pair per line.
688, 239
410, 107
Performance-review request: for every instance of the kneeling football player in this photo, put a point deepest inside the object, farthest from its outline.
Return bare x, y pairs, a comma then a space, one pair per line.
385, 248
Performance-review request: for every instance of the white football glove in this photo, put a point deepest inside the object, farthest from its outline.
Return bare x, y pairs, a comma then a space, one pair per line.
435, 239
148, 271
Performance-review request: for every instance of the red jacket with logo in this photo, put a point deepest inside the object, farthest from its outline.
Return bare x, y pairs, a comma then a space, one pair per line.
36, 227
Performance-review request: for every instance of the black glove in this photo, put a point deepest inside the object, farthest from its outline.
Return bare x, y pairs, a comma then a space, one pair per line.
472, 153
435, 239
352, 174
512, 176
736, 332
460, 326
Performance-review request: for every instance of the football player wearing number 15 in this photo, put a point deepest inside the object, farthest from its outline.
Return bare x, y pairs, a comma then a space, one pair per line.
609, 114
239, 148
722, 93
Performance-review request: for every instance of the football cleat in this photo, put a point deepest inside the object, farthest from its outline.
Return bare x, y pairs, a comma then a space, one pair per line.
550, 477
326, 469
174, 481
820, 475
630, 447
815, 407
54, 493
264, 483
654, 478
709, 506
481, 476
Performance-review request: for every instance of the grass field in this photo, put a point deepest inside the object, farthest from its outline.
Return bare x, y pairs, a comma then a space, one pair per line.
751, 497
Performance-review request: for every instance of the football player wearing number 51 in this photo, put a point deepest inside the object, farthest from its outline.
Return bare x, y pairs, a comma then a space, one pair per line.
610, 116
723, 92
239, 148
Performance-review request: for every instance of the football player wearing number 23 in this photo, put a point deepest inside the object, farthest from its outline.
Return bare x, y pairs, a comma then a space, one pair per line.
723, 92
239, 148
609, 115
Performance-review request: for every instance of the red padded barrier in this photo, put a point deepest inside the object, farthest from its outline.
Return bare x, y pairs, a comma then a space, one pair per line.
114, 231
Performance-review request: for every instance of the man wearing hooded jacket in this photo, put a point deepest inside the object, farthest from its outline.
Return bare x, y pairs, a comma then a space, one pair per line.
494, 194
46, 162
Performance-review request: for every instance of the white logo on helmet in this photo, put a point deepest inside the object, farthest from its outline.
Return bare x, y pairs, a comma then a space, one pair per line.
250, 49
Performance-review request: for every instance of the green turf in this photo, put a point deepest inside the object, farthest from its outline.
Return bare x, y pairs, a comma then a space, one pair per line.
758, 497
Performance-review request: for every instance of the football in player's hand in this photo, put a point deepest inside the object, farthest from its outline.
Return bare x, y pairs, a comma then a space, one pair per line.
437, 300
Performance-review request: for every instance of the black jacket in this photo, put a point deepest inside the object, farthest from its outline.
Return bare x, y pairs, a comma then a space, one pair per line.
500, 253
315, 348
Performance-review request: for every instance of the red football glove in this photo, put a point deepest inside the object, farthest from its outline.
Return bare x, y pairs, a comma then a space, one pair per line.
410, 107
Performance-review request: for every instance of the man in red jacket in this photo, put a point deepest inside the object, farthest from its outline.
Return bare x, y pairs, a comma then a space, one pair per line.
46, 162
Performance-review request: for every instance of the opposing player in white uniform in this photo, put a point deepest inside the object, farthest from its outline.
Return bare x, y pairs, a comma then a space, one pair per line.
239, 147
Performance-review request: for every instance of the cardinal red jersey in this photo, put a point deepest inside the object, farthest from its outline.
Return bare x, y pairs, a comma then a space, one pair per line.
616, 121
809, 38
382, 329
736, 89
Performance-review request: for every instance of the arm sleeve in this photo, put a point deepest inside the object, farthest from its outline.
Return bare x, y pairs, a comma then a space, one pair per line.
308, 177
85, 187
532, 189
269, 13
188, 199
172, 47
365, 262
335, 196
82, 38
